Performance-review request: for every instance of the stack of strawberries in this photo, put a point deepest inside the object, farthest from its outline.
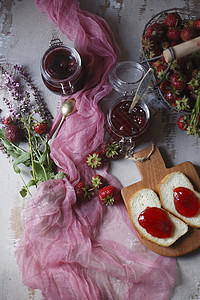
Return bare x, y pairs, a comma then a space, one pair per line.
183, 77
181, 86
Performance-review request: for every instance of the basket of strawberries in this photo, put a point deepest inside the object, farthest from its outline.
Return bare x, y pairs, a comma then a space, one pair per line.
179, 86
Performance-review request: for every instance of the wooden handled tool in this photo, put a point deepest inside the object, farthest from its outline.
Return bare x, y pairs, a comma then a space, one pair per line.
182, 49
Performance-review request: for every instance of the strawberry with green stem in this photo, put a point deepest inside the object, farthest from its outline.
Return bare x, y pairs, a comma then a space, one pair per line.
109, 150
182, 103
94, 160
182, 122
194, 123
40, 127
109, 195
98, 181
83, 191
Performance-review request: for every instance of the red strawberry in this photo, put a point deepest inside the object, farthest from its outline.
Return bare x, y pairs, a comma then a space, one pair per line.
12, 133
83, 191
188, 33
196, 24
173, 20
98, 181
110, 150
178, 81
40, 127
173, 34
109, 195
163, 86
194, 83
160, 71
94, 159
150, 45
182, 123
156, 29
170, 96
8, 121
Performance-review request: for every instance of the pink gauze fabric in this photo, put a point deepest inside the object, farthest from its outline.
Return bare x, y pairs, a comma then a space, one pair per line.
72, 250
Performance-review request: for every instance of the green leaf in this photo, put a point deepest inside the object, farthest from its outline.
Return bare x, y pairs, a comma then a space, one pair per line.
16, 168
60, 175
31, 183
7, 144
23, 192
22, 159
43, 157
39, 172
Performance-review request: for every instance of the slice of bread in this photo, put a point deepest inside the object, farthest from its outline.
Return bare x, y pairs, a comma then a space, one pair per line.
165, 189
139, 202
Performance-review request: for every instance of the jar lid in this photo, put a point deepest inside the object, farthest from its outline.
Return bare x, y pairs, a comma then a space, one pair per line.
126, 76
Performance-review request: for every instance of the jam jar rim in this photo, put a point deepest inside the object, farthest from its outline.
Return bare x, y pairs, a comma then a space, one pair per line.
111, 127
73, 76
122, 86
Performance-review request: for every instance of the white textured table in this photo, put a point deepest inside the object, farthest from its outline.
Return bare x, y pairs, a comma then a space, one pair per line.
24, 37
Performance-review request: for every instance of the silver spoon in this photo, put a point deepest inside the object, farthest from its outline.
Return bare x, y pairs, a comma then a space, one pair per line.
68, 108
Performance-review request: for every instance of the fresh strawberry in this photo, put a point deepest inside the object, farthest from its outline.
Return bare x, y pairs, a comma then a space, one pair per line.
160, 71
156, 30
170, 96
8, 121
194, 83
12, 133
173, 34
94, 159
98, 181
182, 103
164, 86
160, 61
109, 195
40, 127
196, 24
151, 46
173, 20
109, 150
182, 123
187, 34
178, 81
83, 191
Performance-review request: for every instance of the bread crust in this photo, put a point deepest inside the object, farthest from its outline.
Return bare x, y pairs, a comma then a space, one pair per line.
193, 221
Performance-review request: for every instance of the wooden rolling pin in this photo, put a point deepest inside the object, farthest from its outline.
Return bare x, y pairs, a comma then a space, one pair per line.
182, 49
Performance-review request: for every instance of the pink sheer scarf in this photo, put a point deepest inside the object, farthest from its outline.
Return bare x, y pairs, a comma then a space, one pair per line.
85, 251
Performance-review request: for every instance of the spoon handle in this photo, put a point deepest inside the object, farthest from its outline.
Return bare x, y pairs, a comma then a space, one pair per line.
56, 131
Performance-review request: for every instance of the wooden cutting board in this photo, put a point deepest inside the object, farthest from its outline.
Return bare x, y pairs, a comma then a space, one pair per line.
152, 172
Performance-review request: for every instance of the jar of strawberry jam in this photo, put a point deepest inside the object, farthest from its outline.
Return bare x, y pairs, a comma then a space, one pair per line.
61, 69
126, 126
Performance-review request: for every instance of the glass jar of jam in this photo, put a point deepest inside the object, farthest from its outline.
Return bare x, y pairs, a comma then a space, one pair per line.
61, 69
124, 126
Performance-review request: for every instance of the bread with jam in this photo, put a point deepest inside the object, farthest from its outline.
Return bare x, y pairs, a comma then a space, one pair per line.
177, 195
147, 200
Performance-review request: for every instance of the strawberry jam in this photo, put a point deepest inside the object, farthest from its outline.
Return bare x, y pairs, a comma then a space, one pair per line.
61, 70
156, 222
122, 123
186, 202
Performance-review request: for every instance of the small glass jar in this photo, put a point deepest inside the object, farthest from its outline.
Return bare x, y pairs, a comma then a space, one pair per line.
61, 69
124, 126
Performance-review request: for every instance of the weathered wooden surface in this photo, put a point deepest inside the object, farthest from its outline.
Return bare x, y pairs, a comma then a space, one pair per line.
24, 37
